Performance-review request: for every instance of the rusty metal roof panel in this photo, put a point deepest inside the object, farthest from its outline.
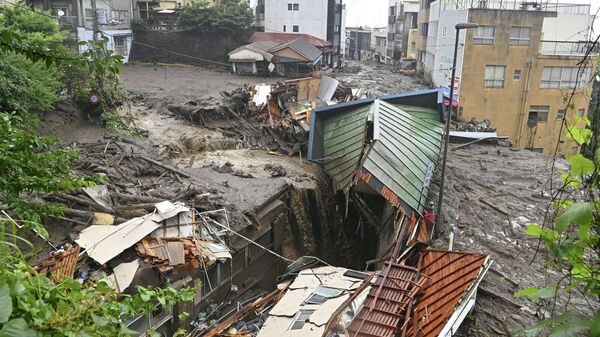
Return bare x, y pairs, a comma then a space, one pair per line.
384, 310
450, 276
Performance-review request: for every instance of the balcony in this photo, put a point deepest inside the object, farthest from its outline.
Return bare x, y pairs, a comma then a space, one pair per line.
564, 8
567, 48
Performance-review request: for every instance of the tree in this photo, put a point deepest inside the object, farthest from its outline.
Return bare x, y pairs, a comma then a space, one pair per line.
228, 16
573, 238
31, 304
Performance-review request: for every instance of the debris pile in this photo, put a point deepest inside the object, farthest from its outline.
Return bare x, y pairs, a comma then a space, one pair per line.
418, 292
167, 239
474, 126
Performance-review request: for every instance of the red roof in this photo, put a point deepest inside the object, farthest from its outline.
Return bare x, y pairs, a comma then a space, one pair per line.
287, 37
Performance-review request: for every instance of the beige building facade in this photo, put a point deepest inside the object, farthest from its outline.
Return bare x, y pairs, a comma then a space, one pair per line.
520, 82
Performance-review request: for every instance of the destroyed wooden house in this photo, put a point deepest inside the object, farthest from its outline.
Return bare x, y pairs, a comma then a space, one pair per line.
388, 146
179, 246
425, 292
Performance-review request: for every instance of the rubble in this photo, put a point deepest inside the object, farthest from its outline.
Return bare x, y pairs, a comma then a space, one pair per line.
378, 79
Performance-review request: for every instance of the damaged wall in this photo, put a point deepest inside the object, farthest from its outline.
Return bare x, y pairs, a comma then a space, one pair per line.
203, 45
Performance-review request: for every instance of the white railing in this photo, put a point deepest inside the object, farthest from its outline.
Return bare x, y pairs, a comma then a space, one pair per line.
567, 48
564, 8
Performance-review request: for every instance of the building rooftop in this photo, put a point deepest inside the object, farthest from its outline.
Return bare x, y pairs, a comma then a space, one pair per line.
288, 37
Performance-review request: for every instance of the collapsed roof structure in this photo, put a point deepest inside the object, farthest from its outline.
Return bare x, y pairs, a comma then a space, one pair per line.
388, 145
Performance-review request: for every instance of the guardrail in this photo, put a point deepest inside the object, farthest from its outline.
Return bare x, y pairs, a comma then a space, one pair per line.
567, 48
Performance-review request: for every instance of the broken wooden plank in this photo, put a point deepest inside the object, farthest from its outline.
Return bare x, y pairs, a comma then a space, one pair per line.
497, 208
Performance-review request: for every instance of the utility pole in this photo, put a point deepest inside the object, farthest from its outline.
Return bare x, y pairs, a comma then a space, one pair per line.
447, 126
95, 26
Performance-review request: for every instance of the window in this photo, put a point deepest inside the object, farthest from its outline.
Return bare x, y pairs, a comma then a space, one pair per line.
295, 29
289, 7
564, 77
494, 77
413, 47
535, 149
538, 113
517, 75
560, 115
581, 112
322, 294
284, 28
392, 10
296, 7
89, 16
421, 56
301, 318
441, 68
120, 15
444, 31
484, 35
119, 42
520, 36
424, 29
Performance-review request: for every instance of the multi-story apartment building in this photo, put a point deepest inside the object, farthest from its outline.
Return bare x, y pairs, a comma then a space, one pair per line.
359, 40
515, 69
402, 24
319, 18
379, 45
114, 18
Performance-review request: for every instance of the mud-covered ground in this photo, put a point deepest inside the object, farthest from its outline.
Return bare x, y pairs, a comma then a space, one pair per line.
492, 192
378, 79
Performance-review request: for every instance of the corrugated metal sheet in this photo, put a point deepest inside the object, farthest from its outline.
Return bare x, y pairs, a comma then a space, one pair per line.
385, 310
343, 136
450, 276
405, 150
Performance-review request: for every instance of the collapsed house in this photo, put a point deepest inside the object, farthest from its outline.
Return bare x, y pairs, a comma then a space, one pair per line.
426, 292
384, 148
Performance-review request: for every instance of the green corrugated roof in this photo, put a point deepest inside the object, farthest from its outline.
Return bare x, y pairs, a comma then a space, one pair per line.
343, 144
405, 150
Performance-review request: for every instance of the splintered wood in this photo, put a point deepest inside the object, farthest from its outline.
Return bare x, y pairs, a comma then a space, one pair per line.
61, 265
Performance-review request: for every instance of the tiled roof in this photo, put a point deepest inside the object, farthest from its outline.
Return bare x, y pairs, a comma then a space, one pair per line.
287, 37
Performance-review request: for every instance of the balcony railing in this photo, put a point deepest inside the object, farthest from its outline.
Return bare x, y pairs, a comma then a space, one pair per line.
567, 48
564, 8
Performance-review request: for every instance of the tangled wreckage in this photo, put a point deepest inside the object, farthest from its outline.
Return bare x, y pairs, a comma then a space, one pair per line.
153, 224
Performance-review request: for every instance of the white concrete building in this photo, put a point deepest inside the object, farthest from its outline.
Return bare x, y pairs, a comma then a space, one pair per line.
320, 18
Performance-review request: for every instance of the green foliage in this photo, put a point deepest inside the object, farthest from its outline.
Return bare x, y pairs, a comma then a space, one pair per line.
227, 16
29, 164
25, 86
31, 304
573, 243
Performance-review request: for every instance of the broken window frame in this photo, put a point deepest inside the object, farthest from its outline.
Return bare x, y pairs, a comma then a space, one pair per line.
301, 318
484, 35
494, 76
519, 36
320, 295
